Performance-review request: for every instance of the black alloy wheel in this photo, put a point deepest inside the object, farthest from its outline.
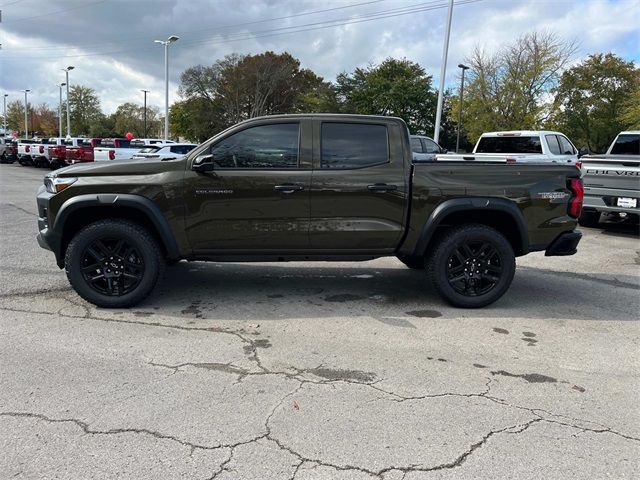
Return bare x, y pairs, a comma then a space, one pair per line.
471, 266
112, 266
474, 268
114, 263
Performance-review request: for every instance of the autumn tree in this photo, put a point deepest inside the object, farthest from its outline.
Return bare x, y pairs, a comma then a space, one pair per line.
510, 89
15, 115
596, 99
399, 88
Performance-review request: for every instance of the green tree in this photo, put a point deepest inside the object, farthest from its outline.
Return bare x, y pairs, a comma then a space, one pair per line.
85, 108
129, 117
240, 87
399, 88
15, 116
510, 88
595, 100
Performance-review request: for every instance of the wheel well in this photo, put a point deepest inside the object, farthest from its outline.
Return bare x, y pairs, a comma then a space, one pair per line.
499, 220
85, 216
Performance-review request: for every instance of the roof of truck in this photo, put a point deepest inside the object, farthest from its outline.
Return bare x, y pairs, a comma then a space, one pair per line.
515, 133
630, 132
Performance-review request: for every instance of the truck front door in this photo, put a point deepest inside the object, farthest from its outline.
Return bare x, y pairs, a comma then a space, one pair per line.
359, 186
256, 197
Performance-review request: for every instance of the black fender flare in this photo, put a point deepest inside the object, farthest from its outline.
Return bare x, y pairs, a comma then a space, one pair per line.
138, 202
483, 204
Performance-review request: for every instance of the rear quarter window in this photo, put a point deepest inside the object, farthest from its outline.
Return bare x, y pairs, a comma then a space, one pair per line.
353, 145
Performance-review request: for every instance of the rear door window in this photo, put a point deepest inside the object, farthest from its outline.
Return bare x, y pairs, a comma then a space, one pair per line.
627, 145
431, 146
554, 146
416, 145
353, 145
510, 144
565, 145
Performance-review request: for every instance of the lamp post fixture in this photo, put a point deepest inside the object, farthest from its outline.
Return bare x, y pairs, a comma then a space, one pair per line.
26, 114
60, 111
4, 115
145, 112
166, 43
463, 67
66, 71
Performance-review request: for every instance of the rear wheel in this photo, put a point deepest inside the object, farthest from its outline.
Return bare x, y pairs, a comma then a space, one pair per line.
471, 266
113, 263
589, 218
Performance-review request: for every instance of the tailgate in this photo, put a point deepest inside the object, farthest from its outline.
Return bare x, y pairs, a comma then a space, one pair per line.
622, 173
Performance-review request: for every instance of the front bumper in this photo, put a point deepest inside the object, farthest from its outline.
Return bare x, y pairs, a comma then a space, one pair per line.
47, 238
565, 244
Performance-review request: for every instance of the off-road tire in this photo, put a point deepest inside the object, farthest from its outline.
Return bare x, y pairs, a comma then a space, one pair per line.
145, 244
414, 263
438, 264
589, 218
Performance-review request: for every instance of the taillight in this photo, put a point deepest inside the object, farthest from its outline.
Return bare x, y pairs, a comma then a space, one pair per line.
41, 149
27, 148
579, 164
576, 200
112, 154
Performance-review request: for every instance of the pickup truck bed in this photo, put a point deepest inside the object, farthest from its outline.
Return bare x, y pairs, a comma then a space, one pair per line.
307, 187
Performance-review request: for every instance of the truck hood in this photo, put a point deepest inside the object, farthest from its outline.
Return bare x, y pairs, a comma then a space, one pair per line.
120, 168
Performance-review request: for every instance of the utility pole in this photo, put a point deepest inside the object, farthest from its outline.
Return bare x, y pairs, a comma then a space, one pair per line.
26, 114
443, 72
67, 70
145, 112
4, 115
60, 111
166, 43
463, 67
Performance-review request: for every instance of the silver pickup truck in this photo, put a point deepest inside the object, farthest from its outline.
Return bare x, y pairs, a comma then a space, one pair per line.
612, 180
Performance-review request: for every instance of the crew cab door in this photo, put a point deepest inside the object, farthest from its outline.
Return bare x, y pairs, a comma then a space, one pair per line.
256, 197
359, 186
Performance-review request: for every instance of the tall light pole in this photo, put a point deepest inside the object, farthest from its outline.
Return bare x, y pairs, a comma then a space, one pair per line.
26, 114
443, 72
66, 71
463, 67
4, 115
166, 43
60, 111
145, 112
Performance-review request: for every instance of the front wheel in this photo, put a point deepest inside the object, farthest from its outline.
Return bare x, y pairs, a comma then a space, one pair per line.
113, 263
471, 266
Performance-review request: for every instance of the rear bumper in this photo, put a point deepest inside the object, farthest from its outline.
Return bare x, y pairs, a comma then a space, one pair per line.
565, 244
605, 200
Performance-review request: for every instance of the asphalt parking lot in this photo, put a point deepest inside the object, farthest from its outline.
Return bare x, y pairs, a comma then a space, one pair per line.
318, 371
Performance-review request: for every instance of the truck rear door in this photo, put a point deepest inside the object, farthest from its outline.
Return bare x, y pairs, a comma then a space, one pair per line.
359, 185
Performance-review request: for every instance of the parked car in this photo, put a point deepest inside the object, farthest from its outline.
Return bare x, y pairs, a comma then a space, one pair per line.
58, 152
24, 152
612, 180
425, 149
6, 150
41, 152
165, 152
306, 187
83, 152
123, 149
525, 146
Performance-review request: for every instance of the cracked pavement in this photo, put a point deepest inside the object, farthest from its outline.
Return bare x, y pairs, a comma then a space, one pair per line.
318, 371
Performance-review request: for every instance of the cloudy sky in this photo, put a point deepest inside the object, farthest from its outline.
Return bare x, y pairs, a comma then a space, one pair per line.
110, 42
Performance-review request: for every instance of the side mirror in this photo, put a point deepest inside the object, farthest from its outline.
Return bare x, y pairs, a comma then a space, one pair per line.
582, 152
444, 150
203, 163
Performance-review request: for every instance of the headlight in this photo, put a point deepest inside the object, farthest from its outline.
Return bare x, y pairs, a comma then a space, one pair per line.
57, 184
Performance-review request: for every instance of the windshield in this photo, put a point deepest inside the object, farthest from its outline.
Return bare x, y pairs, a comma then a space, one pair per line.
519, 144
149, 150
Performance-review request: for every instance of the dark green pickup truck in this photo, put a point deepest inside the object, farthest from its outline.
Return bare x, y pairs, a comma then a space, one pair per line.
306, 187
